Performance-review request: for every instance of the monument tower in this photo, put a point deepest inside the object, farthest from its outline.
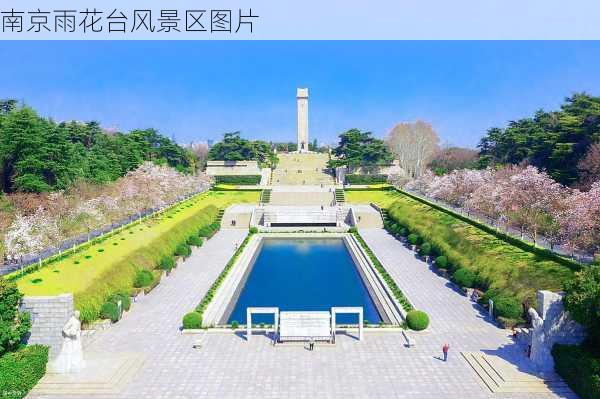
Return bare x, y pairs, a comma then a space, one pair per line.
302, 100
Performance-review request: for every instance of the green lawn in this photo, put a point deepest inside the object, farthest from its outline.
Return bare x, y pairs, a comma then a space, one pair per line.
505, 266
104, 268
75, 273
383, 198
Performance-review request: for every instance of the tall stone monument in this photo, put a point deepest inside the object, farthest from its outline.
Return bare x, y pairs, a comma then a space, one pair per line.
302, 101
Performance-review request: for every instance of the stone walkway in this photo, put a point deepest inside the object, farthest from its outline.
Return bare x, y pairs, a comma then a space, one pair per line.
227, 366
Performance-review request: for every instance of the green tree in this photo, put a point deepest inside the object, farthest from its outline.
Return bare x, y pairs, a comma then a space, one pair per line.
13, 324
554, 141
359, 149
235, 148
582, 300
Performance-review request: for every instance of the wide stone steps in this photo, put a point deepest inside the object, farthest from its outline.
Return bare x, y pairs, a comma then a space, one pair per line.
500, 376
104, 375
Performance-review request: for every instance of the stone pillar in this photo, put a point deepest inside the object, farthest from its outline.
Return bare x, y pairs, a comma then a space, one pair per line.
248, 324
302, 102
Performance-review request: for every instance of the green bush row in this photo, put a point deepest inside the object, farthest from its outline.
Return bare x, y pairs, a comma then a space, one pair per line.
366, 179
526, 246
579, 368
209, 230
21, 370
121, 277
386, 277
242, 180
505, 305
194, 319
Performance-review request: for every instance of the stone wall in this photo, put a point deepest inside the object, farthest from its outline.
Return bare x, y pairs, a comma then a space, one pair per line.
49, 314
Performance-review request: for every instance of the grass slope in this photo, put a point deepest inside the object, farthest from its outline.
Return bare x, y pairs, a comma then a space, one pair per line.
505, 266
109, 266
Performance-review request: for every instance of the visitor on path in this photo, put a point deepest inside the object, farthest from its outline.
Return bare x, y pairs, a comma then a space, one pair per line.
311, 344
236, 246
445, 349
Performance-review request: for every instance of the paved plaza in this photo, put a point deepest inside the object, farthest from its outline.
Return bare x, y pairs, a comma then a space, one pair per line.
226, 366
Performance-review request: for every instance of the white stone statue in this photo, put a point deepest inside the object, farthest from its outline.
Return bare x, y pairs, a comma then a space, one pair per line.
70, 358
540, 352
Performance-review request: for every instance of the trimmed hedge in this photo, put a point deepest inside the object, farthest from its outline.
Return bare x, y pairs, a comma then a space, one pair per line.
110, 310
183, 250
209, 230
192, 320
166, 263
441, 262
417, 320
508, 307
124, 298
425, 249
120, 277
143, 278
579, 368
366, 179
195, 241
464, 277
240, 180
414, 239
21, 370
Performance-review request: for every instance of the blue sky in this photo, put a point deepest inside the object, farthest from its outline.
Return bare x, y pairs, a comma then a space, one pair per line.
198, 90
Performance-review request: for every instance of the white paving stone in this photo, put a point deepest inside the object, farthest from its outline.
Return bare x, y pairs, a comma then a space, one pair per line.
379, 367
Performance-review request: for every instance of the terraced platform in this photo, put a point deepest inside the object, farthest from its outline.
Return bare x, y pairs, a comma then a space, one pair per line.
302, 169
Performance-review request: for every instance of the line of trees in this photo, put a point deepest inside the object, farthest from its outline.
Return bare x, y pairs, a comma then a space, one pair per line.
235, 148
63, 215
524, 198
39, 155
560, 142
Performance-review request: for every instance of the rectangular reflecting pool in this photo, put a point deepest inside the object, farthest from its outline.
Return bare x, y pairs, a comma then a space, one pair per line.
302, 274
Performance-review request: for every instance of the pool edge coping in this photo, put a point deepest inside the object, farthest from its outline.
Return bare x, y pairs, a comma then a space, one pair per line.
221, 302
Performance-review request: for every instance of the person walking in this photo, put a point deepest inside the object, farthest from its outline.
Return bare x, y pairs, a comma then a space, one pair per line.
445, 349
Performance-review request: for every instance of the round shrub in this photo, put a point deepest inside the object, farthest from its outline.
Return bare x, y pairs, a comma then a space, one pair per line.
414, 239
253, 230
192, 320
425, 249
417, 320
508, 307
166, 263
195, 241
110, 311
441, 262
403, 232
143, 278
124, 298
234, 324
183, 250
464, 277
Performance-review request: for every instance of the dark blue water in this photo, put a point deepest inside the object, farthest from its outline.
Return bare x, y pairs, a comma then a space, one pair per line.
304, 274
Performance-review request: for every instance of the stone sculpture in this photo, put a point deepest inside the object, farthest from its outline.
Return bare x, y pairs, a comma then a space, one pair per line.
70, 358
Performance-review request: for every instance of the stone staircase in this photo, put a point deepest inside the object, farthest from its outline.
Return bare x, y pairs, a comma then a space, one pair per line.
220, 215
340, 197
302, 169
265, 196
296, 198
105, 375
500, 376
